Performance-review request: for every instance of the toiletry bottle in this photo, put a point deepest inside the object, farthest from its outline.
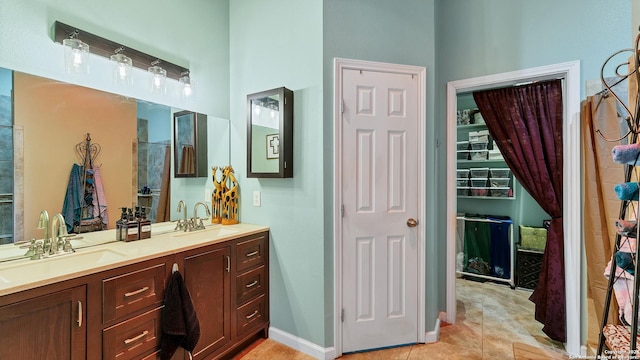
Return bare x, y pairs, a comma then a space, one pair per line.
132, 226
145, 225
120, 225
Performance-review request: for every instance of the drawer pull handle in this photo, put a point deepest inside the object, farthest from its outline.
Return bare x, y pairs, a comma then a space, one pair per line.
254, 283
129, 294
136, 338
253, 253
252, 315
79, 321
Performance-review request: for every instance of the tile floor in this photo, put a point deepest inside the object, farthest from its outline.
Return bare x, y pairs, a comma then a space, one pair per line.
491, 318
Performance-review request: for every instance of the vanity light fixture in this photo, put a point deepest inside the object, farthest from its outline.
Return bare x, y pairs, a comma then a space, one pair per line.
158, 77
122, 67
160, 69
76, 54
186, 86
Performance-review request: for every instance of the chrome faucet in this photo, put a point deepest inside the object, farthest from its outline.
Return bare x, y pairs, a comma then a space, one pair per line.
199, 225
58, 230
43, 223
182, 224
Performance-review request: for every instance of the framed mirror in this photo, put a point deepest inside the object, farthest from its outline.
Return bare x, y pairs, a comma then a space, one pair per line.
190, 144
270, 134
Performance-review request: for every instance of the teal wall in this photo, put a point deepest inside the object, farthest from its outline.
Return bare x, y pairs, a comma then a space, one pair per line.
476, 38
383, 31
274, 44
194, 35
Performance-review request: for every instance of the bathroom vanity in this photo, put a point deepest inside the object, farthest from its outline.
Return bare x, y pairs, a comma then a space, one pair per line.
106, 301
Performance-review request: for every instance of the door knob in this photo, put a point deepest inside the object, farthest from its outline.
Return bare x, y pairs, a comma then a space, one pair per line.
412, 222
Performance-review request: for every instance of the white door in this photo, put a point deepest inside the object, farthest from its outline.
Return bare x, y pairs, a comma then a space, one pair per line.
380, 199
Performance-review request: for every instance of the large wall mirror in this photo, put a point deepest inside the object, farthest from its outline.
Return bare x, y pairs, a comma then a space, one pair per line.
42, 124
270, 134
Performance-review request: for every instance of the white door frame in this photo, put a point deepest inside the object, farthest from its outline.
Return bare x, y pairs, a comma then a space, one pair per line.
420, 72
572, 185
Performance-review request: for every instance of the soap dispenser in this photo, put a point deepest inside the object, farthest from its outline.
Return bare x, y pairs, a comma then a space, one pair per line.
120, 225
132, 226
145, 224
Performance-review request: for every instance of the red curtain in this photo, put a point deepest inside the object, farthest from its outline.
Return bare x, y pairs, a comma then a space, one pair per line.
526, 124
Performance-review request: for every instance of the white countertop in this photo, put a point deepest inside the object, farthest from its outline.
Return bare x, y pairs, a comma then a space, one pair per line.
24, 274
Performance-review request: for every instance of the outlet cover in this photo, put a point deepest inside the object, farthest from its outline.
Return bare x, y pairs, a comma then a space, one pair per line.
256, 198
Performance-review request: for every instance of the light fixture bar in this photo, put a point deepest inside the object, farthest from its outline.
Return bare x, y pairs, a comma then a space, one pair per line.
105, 48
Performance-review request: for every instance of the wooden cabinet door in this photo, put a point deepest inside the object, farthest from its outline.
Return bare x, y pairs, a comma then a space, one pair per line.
206, 275
45, 327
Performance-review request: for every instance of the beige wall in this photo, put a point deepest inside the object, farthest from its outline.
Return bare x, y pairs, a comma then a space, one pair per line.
56, 117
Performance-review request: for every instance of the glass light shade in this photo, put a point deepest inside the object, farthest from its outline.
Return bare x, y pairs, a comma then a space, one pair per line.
122, 68
157, 82
76, 56
187, 90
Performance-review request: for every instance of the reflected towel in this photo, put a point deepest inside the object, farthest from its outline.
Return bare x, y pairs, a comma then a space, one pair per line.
180, 325
99, 198
626, 154
626, 228
627, 191
187, 160
72, 206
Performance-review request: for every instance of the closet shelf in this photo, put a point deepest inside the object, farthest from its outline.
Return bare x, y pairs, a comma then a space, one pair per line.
487, 197
472, 126
481, 161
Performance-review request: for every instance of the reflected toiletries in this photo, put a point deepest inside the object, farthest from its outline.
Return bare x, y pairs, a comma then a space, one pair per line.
120, 225
145, 225
132, 227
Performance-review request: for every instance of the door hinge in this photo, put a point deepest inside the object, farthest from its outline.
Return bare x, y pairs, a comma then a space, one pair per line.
342, 107
342, 315
342, 210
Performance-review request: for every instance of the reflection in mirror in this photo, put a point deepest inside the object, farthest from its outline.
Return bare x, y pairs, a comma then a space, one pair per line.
6, 158
270, 133
48, 118
190, 139
265, 142
154, 160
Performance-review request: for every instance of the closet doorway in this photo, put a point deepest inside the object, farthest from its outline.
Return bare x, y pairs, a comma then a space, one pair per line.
570, 73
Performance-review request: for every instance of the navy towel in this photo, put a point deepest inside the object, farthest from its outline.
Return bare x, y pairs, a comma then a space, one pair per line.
180, 325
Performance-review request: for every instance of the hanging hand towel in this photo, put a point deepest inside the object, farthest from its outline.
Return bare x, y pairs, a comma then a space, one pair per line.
627, 191
626, 154
180, 325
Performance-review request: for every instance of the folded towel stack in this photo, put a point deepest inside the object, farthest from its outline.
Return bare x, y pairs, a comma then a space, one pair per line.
626, 154
626, 228
627, 191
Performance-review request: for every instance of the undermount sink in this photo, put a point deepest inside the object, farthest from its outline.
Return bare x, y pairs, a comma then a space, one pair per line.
59, 264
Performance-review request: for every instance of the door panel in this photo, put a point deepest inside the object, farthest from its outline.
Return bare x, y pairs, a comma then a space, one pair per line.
379, 191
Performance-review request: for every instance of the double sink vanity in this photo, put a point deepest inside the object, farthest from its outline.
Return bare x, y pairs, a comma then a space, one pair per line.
105, 300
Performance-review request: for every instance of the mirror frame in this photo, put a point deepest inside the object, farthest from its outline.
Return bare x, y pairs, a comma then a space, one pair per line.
285, 133
199, 145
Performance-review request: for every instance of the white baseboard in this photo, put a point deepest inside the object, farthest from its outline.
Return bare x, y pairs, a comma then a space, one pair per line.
433, 335
442, 315
302, 345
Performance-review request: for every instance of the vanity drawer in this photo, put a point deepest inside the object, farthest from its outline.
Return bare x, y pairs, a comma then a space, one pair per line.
250, 315
250, 253
133, 338
123, 295
250, 285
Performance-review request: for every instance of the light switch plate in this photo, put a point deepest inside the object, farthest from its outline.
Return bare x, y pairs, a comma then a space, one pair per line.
256, 198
